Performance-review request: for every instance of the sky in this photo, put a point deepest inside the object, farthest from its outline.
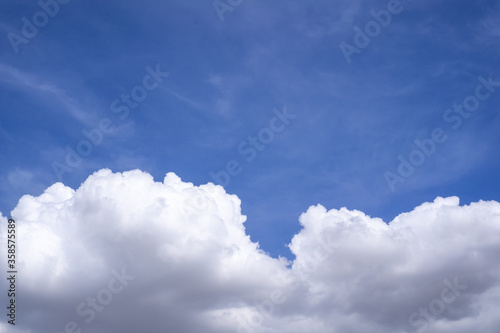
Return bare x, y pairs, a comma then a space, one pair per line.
206, 146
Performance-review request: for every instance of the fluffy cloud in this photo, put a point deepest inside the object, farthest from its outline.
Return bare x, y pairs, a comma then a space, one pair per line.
390, 277
125, 253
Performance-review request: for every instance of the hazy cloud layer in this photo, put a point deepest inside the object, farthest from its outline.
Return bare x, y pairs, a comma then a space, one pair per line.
124, 253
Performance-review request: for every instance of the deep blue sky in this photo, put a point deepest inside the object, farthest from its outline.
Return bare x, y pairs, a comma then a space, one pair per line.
225, 79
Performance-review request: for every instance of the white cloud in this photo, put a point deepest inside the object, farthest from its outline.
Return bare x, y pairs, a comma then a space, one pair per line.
171, 256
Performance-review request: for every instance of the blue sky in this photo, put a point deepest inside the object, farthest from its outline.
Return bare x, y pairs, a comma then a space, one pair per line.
225, 78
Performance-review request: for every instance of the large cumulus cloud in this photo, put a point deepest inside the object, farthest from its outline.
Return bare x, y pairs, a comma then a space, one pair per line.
125, 253
390, 277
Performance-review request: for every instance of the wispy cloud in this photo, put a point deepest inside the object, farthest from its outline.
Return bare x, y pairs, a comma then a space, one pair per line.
44, 90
